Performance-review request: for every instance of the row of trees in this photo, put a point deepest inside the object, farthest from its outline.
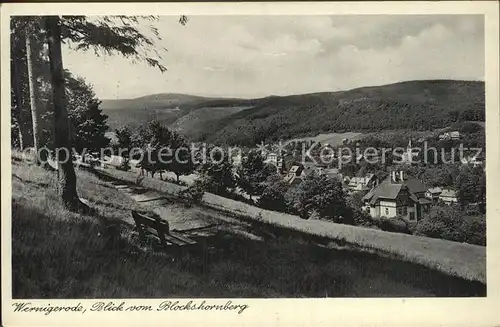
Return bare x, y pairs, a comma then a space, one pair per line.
36, 56
153, 140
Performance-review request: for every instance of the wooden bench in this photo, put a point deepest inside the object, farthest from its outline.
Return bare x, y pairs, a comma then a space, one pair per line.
159, 228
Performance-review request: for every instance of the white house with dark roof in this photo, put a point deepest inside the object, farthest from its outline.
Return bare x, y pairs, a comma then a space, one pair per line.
433, 193
397, 196
362, 183
472, 160
454, 135
448, 196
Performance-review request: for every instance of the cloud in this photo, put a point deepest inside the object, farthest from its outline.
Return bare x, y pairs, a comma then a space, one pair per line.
251, 56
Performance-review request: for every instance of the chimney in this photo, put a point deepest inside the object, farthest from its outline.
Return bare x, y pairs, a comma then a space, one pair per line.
401, 175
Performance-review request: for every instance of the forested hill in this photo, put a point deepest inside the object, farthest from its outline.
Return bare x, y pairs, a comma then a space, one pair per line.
171, 109
416, 105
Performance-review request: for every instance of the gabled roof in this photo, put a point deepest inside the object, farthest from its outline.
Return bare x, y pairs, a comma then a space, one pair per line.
448, 193
424, 201
388, 190
435, 190
385, 190
415, 185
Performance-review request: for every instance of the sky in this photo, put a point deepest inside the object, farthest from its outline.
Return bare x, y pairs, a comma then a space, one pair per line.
256, 56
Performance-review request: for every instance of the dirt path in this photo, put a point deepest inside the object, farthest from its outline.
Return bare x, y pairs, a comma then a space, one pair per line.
186, 219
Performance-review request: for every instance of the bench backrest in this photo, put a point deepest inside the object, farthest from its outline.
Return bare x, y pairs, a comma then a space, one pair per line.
145, 223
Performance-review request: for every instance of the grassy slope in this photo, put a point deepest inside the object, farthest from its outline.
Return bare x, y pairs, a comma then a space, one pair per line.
58, 254
465, 260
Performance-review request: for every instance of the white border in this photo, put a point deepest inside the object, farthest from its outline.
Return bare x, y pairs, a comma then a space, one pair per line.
315, 312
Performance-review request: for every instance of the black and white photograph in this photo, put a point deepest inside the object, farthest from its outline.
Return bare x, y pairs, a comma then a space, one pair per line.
205, 159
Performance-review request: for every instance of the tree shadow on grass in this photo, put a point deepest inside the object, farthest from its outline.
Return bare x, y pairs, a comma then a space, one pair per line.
107, 178
289, 264
223, 265
36, 184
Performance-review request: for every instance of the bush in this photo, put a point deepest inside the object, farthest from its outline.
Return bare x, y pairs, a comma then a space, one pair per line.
174, 181
125, 165
193, 194
238, 197
397, 224
450, 223
320, 193
362, 218
273, 196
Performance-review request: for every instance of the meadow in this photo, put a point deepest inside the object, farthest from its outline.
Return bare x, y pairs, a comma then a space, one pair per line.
59, 254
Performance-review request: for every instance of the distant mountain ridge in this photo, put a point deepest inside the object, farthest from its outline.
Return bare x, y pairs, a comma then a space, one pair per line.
417, 105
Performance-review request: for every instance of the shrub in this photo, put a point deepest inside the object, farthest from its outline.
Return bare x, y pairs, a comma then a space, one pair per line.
175, 181
450, 223
396, 224
320, 193
193, 194
361, 218
125, 165
273, 196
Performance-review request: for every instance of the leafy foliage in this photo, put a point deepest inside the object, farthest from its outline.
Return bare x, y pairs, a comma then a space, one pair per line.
193, 194
217, 173
450, 223
273, 195
471, 186
181, 162
397, 224
321, 194
114, 35
86, 117
124, 139
253, 172
163, 150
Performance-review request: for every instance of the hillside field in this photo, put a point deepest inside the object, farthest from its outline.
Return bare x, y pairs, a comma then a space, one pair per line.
58, 254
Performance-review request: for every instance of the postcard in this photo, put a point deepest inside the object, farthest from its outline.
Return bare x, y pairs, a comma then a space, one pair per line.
276, 163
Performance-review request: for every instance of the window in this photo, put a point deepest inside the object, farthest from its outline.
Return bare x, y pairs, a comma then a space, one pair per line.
400, 210
412, 216
405, 211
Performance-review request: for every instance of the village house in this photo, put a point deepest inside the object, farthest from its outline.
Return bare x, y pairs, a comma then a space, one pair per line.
293, 177
310, 168
297, 173
448, 196
397, 196
273, 159
433, 194
364, 183
455, 135
472, 160
332, 173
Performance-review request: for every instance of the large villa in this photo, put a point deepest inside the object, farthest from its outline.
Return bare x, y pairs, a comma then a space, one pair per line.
397, 196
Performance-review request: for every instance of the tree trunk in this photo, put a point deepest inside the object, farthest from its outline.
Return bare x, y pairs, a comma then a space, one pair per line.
33, 89
18, 99
66, 171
